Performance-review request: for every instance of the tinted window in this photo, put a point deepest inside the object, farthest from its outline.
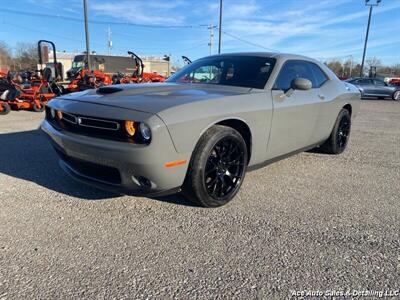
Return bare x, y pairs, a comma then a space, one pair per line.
244, 71
364, 81
292, 69
319, 76
378, 82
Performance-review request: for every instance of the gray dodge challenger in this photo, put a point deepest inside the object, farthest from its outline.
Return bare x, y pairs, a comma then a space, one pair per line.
201, 130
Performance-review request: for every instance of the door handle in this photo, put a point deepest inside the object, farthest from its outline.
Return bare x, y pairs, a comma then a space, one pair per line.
321, 96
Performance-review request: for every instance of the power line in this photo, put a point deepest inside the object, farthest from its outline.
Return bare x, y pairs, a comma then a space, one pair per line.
202, 43
248, 42
43, 32
72, 19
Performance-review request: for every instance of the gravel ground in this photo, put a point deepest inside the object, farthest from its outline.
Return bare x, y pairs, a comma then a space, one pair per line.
310, 222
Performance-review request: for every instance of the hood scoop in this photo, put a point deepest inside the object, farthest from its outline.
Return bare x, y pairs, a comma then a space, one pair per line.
108, 90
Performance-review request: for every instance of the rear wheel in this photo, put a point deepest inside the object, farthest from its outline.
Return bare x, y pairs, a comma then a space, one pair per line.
396, 96
337, 142
217, 168
4, 108
38, 106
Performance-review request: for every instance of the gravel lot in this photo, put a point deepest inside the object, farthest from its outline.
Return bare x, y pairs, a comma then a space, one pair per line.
310, 222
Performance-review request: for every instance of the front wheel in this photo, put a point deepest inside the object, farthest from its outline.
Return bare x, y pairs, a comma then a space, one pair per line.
337, 142
38, 106
396, 96
217, 168
4, 108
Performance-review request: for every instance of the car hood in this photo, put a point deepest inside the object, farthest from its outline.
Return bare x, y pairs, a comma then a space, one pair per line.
154, 97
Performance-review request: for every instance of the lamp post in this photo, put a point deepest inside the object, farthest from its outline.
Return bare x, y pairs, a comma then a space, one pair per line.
371, 4
89, 66
220, 27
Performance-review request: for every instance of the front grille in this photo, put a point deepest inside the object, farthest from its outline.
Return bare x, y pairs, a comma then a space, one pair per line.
92, 126
69, 118
92, 170
98, 123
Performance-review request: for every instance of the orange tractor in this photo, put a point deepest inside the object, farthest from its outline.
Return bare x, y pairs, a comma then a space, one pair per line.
41, 89
186, 60
4, 107
138, 75
86, 79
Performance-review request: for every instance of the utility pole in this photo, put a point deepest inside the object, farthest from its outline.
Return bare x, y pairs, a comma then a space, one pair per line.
89, 66
367, 3
109, 42
211, 43
220, 26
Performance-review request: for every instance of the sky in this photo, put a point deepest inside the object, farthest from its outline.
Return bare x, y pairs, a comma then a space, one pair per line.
324, 29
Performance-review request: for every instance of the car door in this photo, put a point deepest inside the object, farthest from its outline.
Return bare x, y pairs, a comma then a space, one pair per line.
327, 94
381, 89
294, 116
367, 86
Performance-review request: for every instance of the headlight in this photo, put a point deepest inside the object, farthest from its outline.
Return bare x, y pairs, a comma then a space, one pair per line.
130, 128
145, 131
53, 113
59, 114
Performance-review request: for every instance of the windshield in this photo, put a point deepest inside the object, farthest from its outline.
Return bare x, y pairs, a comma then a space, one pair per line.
243, 71
78, 64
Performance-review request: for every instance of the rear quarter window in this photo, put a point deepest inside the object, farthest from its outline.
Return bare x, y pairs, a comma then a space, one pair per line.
319, 76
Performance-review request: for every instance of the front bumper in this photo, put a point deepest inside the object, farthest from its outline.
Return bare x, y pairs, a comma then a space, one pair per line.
121, 167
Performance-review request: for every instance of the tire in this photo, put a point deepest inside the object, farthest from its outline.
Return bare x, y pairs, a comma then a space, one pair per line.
4, 108
217, 167
396, 96
36, 108
337, 141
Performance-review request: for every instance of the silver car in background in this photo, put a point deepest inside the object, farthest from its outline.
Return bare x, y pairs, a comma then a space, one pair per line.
204, 128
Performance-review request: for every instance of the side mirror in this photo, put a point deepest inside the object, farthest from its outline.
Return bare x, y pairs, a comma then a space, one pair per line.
301, 84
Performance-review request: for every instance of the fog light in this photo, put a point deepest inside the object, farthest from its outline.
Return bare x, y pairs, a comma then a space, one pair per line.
130, 128
142, 181
145, 131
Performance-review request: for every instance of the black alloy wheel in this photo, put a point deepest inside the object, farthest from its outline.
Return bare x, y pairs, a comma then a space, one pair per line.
224, 169
217, 167
339, 138
343, 133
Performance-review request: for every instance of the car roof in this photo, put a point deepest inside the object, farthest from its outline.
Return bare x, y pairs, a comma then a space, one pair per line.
365, 78
278, 55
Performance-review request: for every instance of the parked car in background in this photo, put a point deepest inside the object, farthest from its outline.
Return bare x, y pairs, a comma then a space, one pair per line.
372, 87
200, 131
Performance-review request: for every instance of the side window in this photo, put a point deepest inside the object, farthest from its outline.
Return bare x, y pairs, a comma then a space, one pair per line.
206, 74
364, 81
319, 75
380, 83
293, 69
